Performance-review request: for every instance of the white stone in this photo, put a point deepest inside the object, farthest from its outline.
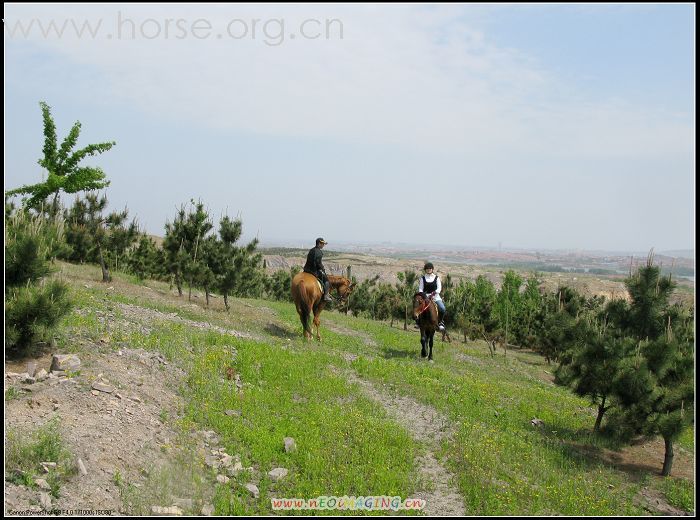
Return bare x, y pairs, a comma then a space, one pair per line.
278, 473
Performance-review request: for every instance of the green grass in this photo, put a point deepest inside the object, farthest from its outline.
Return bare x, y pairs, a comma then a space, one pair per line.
680, 493
12, 393
347, 445
24, 453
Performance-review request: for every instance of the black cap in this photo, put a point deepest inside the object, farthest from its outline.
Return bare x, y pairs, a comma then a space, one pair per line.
320, 241
428, 265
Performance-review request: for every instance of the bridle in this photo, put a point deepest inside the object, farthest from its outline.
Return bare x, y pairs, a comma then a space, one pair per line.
426, 305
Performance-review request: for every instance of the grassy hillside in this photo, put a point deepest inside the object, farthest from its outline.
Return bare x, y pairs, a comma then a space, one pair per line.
369, 416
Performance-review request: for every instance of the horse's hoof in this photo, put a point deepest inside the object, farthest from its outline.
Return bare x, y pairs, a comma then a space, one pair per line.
423, 354
431, 360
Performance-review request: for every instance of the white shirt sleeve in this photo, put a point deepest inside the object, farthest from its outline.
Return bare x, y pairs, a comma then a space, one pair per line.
420, 284
439, 286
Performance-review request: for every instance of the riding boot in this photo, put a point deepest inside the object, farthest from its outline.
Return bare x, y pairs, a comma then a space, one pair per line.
441, 324
326, 292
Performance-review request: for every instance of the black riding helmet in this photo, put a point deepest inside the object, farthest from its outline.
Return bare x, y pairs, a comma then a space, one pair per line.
428, 265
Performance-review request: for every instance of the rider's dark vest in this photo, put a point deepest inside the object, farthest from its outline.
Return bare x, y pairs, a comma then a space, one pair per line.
429, 287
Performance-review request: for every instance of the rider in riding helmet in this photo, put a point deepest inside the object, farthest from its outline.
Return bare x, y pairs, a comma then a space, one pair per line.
314, 265
430, 285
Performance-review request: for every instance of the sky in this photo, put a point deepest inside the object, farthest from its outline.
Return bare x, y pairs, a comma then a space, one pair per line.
525, 126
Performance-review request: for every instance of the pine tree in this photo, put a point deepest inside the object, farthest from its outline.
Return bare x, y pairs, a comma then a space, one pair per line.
183, 243
591, 363
655, 384
33, 307
406, 288
94, 237
146, 260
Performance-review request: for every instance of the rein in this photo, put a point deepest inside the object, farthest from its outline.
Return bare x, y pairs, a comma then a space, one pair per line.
425, 307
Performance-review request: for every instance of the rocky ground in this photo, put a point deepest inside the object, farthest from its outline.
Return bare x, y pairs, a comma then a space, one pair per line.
116, 409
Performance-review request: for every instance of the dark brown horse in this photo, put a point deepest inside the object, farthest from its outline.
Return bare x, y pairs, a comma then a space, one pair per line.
426, 312
308, 298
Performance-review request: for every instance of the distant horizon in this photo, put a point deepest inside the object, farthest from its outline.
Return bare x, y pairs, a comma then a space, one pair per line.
407, 246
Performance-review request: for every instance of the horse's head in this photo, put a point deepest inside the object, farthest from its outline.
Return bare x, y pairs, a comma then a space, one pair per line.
345, 288
419, 302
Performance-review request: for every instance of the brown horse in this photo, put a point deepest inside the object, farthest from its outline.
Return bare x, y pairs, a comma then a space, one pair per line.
308, 297
426, 312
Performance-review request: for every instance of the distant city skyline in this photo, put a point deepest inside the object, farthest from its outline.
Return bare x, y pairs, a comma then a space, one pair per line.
542, 126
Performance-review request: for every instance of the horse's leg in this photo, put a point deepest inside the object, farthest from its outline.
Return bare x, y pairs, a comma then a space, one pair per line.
317, 322
432, 335
423, 344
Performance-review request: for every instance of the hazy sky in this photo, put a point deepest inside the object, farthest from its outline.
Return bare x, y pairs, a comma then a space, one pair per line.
567, 126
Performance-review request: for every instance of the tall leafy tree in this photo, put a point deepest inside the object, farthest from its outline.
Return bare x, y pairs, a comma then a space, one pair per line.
63, 168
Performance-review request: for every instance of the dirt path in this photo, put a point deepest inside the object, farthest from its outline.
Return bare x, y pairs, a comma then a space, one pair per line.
426, 425
339, 329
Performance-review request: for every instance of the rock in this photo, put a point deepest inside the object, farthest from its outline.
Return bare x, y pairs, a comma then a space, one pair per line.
233, 413
45, 501
537, 422
31, 368
41, 375
63, 362
212, 461
211, 437
207, 510
48, 466
226, 460
29, 380
183, 503
81, 467
135, 399
101, 387
278, 473
236, 469
222, 479
253, 489
289, 444
42, 484
166, 511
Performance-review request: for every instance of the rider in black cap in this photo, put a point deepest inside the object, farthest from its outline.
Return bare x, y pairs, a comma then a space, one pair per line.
314, 265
